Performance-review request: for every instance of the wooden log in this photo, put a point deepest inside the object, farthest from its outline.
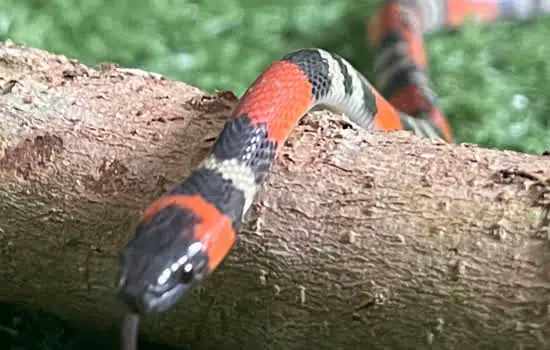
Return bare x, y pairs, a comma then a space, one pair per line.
357, 239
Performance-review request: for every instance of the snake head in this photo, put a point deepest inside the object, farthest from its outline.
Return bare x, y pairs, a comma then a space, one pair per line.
162, 262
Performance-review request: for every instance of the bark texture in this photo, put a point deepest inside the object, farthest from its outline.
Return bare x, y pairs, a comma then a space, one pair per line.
357, 240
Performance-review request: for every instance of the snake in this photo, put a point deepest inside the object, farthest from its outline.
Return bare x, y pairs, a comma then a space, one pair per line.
184, 235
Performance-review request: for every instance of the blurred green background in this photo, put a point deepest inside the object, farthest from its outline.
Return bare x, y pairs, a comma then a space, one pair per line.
491, 79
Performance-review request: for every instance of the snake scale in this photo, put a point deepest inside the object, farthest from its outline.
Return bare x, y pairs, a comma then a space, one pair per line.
184, 235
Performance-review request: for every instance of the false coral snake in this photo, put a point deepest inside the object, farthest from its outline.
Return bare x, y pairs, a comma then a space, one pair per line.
184, 235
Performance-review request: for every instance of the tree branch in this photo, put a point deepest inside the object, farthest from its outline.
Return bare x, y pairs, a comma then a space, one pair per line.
356, 239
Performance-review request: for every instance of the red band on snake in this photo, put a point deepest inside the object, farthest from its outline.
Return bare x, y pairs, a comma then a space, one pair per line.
184, 235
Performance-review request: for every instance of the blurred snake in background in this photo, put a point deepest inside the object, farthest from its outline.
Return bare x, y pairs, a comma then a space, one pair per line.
185, 234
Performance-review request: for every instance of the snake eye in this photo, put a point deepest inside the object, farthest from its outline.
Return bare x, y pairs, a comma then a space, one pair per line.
187, 274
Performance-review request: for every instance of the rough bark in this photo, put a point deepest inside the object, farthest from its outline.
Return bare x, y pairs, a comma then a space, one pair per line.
357, 240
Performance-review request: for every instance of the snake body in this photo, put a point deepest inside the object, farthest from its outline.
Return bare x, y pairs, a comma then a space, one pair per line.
184, 235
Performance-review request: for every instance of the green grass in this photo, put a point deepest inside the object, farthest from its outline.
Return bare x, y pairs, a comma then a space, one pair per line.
480, 72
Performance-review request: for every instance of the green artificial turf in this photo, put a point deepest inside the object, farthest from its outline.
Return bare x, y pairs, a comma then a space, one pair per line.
490, 78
